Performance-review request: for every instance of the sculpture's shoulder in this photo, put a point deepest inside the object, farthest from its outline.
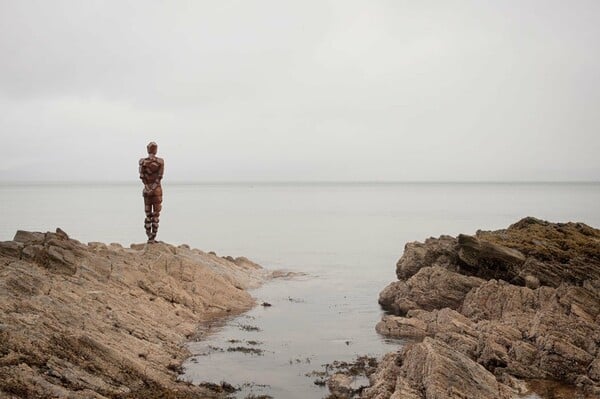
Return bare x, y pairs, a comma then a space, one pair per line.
141, 161
160, 160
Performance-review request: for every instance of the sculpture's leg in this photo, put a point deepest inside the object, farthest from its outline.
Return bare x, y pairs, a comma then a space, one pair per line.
148, 220
155, 218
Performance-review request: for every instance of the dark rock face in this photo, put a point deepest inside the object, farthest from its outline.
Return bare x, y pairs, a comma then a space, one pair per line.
556, 253
488, 260
492, 310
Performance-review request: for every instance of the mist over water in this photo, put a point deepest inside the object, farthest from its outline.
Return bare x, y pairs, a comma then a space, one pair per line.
346, 237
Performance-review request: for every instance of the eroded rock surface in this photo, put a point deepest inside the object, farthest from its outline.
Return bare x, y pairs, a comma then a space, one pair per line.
103, 321
485, 313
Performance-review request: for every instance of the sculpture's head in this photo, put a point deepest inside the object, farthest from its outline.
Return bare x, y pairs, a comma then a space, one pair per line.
152, 148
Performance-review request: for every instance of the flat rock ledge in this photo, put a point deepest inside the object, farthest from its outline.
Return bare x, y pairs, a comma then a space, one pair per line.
483, 315
103, 321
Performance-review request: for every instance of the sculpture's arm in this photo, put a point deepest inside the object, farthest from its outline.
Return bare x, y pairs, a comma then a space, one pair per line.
140, 168
161, 169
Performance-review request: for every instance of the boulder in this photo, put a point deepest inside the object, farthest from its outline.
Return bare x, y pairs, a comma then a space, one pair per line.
61, 233
29, 237
433, 252
431, 288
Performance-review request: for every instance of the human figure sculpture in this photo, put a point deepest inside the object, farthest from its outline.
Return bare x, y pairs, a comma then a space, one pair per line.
151, 173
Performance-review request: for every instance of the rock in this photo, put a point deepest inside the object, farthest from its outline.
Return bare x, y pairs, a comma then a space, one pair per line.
60, 260
385, 382
445, 324
246, 263
497, 307
532, 282
97, 245
61, 233
32, 252
431, 288
340, 386
527, 222
11, 249
489, 260
545, 273
22, 285
560, 252
516, 385
595, 369
401, 327
495, 300
434, 252
424, 370
29, 237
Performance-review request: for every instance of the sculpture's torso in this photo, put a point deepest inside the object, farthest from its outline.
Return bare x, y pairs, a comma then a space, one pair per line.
151, 170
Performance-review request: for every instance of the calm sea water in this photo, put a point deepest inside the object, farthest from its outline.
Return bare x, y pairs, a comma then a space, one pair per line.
346, 237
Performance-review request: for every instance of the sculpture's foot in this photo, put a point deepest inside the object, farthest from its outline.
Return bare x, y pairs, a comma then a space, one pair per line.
151, 238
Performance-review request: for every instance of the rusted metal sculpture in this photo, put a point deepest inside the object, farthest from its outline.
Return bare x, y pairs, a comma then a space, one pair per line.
151, 173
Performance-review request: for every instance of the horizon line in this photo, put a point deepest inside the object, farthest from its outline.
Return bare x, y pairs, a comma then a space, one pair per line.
291, 182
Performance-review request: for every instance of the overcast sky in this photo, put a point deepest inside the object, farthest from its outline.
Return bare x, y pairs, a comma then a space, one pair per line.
301, 90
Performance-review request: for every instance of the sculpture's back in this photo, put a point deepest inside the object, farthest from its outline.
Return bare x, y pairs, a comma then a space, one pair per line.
151, 172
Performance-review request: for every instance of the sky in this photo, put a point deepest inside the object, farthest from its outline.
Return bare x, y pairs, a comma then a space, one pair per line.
301, 90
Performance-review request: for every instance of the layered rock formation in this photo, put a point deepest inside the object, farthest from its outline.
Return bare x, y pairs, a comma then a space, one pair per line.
485, 313
103, 321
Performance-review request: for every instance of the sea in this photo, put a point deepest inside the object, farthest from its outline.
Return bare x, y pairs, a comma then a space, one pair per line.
343, 239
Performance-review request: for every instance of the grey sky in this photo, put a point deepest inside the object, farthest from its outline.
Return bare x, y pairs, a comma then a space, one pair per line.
301, 90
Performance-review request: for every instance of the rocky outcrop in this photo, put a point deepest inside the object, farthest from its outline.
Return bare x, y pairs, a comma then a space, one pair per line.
488, 312
102, 321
